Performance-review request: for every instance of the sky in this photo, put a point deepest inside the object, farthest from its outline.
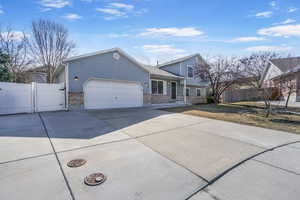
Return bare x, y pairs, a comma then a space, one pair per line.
160, 30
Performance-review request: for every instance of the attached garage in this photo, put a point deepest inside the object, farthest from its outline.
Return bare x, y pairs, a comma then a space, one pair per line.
104, 93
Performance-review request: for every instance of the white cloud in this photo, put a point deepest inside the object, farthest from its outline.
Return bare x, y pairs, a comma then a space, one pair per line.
122, 6
172, 31
288, 21
162, 49
55, 3
273, 4
72, 16
14, 35
290, 10
120, 10
114, 13
268, 48
281, 31
265, 14
247, 39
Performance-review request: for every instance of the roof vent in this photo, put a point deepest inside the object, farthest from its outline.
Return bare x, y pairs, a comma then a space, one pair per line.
116, 56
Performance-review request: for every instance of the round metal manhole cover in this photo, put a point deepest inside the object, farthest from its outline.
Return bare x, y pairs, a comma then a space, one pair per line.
94, 179
76, 163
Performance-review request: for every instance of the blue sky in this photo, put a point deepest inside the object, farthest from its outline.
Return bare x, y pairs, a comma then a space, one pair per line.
153, 30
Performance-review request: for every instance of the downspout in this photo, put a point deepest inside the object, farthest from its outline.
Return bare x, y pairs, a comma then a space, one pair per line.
184, 90
67, 86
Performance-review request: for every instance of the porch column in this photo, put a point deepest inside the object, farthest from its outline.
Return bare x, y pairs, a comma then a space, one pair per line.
184, 90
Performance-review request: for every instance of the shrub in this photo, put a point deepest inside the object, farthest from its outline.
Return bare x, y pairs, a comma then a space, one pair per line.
210, 99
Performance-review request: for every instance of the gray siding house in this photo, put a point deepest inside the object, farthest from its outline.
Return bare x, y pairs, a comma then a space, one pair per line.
281, 72
172, 82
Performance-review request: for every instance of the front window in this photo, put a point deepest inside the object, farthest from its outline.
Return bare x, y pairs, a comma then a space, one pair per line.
190, 72
157, 87
198, 92
187, 92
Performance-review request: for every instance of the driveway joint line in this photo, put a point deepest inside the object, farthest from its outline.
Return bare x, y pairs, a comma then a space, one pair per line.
274, 166
30, 157
237, 165
173, 161
58, 161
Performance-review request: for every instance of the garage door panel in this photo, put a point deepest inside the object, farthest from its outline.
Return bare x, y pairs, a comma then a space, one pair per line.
101, 94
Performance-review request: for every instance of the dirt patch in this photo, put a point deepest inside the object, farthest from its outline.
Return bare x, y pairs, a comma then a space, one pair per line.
244, 113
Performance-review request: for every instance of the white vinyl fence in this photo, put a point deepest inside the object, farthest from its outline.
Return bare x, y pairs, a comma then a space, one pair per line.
28, 98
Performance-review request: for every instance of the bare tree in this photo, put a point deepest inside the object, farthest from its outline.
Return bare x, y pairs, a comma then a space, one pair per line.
50, 45
221, 73
15, 45
290, 87
253, 68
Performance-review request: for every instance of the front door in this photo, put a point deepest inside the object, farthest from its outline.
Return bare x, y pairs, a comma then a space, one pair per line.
173, 90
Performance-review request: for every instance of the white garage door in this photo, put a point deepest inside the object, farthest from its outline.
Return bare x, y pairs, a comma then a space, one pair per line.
101, 94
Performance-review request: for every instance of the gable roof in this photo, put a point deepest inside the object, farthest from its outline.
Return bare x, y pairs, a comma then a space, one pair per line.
120, 51
154, 70
159, 72
178, 60
286, 64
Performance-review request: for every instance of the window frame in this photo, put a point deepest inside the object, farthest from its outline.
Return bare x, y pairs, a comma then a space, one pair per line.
198, 89
157, 89
187, 94
193, 73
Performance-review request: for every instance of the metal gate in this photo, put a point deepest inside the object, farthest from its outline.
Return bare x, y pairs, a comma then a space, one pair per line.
34, 97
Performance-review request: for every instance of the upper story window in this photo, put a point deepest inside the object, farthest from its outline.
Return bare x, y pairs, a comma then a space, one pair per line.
190, 72
198, 90
157, 87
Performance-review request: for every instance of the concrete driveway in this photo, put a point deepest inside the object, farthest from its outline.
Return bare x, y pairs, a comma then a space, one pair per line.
145, 154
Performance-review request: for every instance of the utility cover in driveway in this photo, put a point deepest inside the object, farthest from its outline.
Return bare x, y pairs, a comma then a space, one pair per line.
102, 94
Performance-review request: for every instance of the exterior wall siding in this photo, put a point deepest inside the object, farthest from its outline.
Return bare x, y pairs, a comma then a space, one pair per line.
298, 86
180, 69
105, 66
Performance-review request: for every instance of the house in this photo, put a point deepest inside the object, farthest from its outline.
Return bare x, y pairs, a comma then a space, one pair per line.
282, 71
113, 79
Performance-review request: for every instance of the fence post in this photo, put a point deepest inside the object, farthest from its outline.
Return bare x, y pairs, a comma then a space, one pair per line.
33, 97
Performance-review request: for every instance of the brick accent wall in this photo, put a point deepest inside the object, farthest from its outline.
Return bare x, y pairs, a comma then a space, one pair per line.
147, 99
196, 100
156, 98
76, 98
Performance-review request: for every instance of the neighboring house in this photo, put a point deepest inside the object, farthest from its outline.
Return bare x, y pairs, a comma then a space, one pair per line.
282, 71
113, 79
37, 74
